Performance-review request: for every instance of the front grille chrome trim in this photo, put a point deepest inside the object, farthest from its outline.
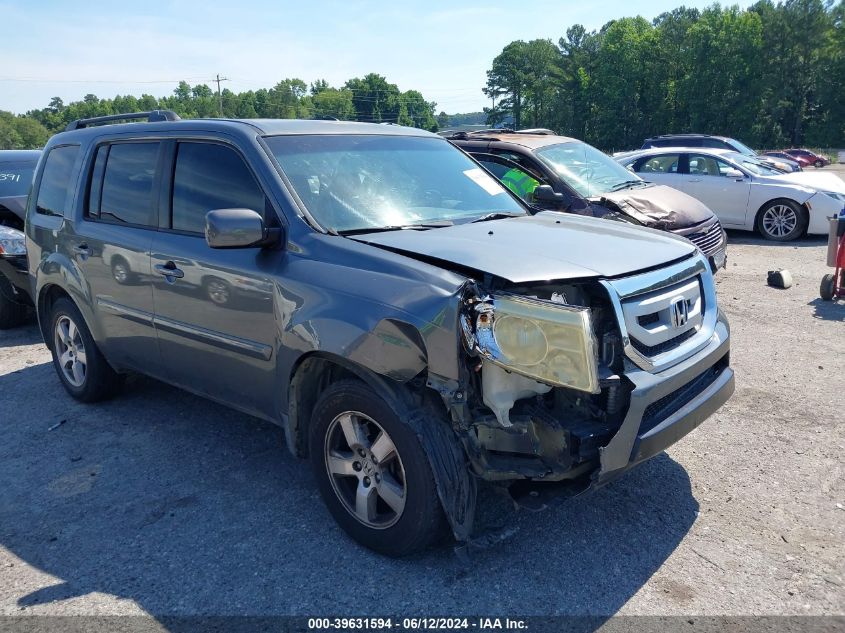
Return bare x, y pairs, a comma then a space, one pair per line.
626, 290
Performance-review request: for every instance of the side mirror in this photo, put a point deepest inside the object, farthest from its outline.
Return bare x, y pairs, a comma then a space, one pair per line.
545, 194
734, 173
238, 228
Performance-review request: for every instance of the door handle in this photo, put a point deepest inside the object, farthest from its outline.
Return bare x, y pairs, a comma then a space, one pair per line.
82, 249
694, 180
169, 270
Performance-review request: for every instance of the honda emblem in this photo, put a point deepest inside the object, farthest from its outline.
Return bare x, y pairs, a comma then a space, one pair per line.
680, 312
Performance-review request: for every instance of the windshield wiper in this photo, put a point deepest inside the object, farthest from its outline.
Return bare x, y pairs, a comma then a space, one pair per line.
399, 227
626, 184
497, 215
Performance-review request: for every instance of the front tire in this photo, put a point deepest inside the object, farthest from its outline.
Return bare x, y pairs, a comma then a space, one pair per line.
818, 164
372, 471
782, 220
81, 367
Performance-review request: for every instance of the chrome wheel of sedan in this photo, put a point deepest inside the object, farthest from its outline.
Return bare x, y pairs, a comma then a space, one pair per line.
779, 220
782, 220
70, 350
365, 470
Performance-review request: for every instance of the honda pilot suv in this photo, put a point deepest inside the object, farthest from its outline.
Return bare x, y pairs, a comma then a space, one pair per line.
413, 327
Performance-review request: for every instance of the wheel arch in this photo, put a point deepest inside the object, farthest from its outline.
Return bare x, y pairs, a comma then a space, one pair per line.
314, 372
418, 408
802, 205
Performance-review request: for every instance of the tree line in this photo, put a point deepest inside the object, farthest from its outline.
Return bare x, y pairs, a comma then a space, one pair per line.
370, 98
772, 75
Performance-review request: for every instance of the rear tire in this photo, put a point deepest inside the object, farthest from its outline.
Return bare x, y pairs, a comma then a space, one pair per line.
826, 287
782, 220
12, 313
372, 471
80, 365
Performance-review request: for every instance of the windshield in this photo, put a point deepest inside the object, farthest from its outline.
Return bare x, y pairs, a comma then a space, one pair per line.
353, 182
586, 169
15, 178
742, 148
753, 165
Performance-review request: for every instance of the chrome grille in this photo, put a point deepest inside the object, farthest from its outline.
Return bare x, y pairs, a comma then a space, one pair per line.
666, 315
708, 241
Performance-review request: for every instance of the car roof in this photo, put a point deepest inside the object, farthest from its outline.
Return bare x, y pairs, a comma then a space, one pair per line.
718, 151
689, 135
262, 127
19, 155
530, 141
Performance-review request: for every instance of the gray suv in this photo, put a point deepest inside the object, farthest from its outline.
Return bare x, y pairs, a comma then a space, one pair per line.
411, 325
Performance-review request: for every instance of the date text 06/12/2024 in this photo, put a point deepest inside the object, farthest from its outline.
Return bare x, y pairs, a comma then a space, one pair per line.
414, 624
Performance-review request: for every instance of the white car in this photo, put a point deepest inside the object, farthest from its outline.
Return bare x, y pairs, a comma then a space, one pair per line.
743, 192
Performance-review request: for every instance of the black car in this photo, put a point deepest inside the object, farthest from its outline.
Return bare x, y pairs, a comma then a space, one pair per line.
787, 164
16, 170
564, 174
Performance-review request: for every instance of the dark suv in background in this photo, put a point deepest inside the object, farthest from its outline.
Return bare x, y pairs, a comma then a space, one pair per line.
719, 142
16, 170
559, 173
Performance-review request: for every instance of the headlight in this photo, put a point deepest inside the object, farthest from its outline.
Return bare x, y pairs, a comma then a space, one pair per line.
835, 195
546, 341
11, 242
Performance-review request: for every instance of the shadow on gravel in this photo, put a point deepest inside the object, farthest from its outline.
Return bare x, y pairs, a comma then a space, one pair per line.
828, 310
189, 508
747, 237
27, 334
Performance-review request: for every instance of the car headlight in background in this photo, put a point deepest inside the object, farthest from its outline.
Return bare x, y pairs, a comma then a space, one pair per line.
12, 242
546, 341
835, 195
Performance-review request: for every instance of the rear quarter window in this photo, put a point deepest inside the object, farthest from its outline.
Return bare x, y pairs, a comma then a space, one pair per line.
55, 185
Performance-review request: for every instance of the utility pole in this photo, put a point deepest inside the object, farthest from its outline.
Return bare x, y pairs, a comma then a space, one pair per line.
220, 94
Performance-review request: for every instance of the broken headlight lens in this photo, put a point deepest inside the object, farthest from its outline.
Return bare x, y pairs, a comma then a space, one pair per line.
546, 341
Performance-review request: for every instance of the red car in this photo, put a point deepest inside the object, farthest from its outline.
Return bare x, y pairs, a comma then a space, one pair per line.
811, 157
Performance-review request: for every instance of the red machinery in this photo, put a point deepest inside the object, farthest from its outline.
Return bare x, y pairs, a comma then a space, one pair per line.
833, 285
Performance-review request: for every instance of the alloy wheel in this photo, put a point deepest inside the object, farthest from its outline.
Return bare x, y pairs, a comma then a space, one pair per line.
365, 470
779, 220
70, 351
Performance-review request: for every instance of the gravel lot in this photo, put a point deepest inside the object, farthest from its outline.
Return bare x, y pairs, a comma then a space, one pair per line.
158, 502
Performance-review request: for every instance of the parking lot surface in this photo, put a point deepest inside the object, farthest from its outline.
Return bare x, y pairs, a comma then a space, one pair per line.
159, 502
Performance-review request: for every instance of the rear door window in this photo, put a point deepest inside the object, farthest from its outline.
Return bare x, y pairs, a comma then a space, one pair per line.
210, 176
127, 194
55, 186
660, 164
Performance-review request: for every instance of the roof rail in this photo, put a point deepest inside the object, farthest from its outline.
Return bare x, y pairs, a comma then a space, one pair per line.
153, 116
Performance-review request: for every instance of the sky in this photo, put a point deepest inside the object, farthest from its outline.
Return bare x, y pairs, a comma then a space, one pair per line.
443, 49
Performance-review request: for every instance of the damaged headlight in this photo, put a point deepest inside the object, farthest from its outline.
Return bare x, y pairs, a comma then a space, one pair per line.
546, 341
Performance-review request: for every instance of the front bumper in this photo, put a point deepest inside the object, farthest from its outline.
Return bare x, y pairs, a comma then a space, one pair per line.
684, 396
664, 407
14, 270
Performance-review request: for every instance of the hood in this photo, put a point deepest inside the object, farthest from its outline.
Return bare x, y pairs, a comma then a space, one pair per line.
15, 204
821, 181
541, 247
660, 207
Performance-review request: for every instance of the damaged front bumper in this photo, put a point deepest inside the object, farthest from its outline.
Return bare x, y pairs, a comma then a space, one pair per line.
663, 407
